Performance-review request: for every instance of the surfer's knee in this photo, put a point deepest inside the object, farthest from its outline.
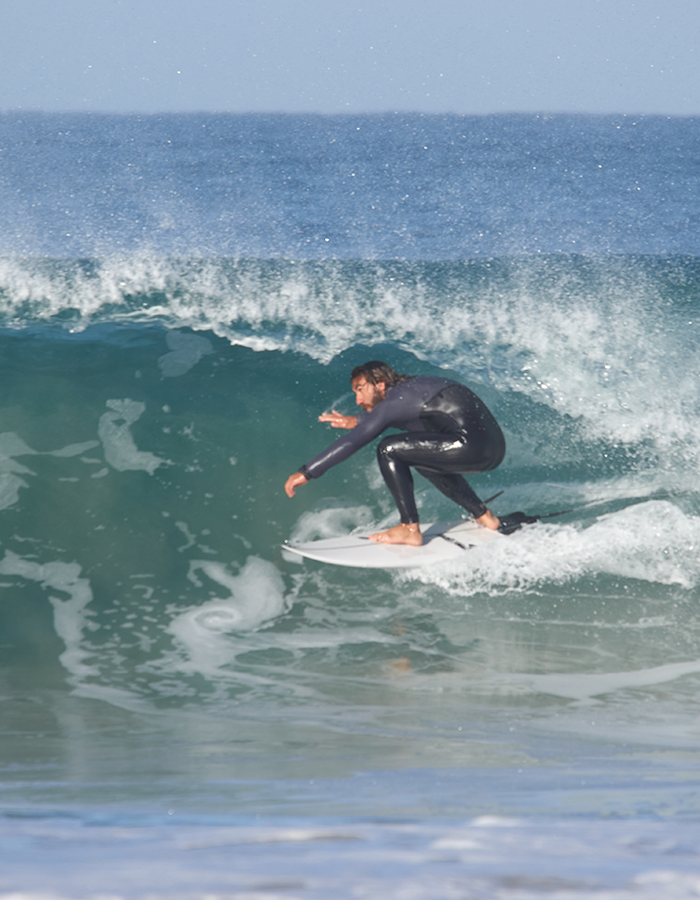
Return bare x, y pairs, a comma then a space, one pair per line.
390, 463
385, 448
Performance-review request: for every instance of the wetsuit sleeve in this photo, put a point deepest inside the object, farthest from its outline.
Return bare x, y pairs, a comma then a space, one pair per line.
400, 409
367, 428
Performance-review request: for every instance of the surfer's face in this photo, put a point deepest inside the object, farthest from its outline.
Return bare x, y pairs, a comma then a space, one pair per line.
368, 395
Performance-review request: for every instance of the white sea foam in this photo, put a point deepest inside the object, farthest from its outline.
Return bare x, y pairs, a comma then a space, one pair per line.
120, 448
255, 596
654, 542
69, 614
331, 521
586, 685
74, 449
11, 471
185, 352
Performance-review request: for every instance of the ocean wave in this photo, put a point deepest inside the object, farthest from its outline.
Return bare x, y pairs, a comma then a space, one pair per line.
604, 341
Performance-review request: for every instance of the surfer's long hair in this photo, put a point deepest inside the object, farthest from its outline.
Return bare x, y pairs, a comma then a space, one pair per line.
375, 371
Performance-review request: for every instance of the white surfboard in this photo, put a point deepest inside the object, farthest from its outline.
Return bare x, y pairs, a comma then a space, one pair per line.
442, 542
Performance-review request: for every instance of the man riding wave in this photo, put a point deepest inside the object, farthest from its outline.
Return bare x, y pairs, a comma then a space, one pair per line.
447, 429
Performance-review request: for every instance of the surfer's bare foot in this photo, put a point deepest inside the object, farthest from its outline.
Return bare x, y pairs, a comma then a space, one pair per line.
488, 520
400, 534
401, 664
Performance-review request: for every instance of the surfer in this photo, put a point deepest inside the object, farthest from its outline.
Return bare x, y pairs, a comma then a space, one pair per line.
448, 431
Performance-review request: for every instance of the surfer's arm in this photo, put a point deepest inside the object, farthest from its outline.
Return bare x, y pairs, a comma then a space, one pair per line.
367, 428
338, 420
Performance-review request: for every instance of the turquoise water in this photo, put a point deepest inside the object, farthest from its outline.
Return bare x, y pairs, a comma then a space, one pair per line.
173, 688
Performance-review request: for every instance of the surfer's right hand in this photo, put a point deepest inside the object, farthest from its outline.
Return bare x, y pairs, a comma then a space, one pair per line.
293, 482
338, 420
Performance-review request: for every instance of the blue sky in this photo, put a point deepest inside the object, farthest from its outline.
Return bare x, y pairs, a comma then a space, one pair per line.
330, 56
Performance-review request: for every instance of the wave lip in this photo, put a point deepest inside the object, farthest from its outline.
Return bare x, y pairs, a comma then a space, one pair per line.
602, 342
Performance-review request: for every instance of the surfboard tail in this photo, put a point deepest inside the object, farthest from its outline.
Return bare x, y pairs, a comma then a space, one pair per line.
514, 522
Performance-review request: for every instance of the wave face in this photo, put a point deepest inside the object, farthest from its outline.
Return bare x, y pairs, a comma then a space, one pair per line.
147, 436
178, 307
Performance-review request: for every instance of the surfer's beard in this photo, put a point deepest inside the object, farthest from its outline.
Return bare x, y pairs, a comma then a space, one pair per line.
375, 401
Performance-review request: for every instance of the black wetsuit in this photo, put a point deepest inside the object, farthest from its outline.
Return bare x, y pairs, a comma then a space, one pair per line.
449, 431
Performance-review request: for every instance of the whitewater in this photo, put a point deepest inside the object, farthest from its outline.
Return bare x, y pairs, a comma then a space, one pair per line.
188, 712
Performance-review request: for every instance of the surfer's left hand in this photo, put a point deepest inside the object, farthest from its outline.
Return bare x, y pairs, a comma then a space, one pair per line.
293, 482
338, 420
